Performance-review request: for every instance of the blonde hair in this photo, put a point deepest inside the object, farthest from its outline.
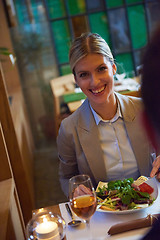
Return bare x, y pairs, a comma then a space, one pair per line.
88, 43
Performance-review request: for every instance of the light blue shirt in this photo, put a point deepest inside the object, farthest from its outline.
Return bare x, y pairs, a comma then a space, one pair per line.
118, 155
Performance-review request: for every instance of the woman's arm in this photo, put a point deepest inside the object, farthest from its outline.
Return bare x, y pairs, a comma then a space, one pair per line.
67, 156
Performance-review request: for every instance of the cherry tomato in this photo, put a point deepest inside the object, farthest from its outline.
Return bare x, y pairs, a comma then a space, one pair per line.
144, 187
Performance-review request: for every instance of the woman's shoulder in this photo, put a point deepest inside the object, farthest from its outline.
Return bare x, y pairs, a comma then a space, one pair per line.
130, 102
137, 101
129, 99
72, 119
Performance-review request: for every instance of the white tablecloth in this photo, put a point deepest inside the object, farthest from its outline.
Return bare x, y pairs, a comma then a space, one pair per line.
101, 222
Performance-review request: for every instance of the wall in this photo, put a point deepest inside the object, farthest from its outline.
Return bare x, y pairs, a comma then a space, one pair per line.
15, 124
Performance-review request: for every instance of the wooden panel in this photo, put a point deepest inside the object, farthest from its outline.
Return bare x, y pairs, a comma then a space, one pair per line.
24, 141
14, 92
10, 229
10, 71
6, 189
5, 171
17, 166
11, 223
15, 125
16, 219
11, 218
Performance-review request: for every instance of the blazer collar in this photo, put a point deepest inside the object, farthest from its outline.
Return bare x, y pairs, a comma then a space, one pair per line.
127, 107
86, 119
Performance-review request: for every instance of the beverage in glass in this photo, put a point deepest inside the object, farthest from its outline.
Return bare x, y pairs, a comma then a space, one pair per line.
82, 197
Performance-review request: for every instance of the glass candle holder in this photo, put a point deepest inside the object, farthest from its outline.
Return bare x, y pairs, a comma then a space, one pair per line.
45, 225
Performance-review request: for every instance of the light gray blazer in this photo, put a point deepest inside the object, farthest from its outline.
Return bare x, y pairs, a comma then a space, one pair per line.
79, 148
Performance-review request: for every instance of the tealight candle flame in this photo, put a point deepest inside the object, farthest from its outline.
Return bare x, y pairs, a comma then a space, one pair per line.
45, 220
47, 230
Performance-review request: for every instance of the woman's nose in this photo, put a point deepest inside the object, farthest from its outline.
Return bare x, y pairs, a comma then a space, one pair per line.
94, 80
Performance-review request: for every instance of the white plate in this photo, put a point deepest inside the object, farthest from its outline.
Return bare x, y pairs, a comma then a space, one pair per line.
151, 182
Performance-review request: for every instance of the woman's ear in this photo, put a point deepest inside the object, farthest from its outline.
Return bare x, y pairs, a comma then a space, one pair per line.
150, 130
114, 68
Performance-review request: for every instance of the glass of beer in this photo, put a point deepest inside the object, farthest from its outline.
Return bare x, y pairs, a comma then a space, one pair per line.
82, 197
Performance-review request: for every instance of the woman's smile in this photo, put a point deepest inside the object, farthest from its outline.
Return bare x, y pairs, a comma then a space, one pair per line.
98, 90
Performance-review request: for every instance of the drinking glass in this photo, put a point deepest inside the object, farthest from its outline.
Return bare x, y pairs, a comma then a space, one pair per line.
82, 197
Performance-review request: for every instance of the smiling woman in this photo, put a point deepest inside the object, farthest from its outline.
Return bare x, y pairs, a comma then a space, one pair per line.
103, 138
94, 75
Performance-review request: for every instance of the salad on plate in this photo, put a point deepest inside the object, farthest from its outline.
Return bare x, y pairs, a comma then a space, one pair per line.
123, 195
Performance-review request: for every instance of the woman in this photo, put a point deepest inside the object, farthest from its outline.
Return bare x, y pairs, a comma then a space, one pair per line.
103, 137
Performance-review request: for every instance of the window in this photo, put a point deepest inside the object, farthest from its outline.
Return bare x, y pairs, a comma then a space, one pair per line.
126, 25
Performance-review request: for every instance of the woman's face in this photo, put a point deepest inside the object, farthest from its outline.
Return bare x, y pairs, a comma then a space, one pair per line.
94, 75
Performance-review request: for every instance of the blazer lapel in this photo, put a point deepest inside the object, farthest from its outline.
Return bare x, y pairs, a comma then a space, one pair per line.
88, 135
135, 133
141, 151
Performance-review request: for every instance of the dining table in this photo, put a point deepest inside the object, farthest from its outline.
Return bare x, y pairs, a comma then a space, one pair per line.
101, 222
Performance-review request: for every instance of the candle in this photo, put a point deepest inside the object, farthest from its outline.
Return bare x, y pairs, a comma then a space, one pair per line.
47, 230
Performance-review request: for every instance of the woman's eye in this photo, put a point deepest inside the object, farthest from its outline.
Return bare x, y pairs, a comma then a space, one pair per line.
101, 69
83, 75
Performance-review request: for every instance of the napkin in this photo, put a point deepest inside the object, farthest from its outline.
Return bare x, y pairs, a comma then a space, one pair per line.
134, 224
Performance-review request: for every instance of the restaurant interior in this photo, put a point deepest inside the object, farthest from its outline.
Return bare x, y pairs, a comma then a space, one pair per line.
37, 89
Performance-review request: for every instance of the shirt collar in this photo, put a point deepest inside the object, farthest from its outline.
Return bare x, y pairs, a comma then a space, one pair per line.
98, 118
